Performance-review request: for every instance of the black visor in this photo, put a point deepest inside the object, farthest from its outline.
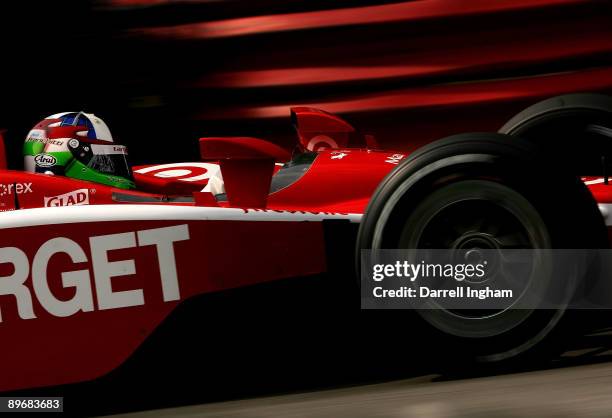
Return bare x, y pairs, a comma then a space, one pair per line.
101, 156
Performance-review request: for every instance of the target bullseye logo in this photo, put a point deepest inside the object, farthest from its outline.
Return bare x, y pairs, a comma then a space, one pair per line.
320, 142
182, 171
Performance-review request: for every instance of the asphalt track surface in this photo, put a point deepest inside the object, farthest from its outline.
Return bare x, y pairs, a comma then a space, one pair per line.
577, 385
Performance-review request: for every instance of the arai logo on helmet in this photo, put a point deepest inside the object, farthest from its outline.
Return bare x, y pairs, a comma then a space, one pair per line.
45, 160
74, 198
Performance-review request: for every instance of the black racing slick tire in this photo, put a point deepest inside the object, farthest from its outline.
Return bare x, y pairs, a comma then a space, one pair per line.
492, 182
573, 129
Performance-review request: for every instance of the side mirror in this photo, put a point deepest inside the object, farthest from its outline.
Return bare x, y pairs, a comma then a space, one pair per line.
247, 165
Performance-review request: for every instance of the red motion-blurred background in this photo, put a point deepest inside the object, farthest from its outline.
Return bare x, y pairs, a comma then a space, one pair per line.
167, 72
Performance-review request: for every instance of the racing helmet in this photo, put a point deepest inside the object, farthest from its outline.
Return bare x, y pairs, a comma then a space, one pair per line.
77, 145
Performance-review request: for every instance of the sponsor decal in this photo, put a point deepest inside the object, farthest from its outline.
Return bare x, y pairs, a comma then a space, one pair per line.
182, 171
28, 279
73, 198
336, 155
320, 142
17, 188
299, 212
35, 134
106, 149
45, 141
45, 160
73, 143
394, 159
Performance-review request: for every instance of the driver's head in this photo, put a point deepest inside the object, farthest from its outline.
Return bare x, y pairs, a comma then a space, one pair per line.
77, 145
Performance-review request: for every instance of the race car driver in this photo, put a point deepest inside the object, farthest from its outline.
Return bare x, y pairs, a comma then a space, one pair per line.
77, 145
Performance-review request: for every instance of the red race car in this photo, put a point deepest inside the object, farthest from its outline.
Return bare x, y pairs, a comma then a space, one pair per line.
91, 270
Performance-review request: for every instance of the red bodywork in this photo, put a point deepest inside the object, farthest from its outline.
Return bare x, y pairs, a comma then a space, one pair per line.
88, 272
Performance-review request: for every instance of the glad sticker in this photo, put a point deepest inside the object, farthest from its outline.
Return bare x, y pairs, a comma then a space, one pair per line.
74, 198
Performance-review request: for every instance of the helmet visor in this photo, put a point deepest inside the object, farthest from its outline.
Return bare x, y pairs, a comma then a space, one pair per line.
102, 157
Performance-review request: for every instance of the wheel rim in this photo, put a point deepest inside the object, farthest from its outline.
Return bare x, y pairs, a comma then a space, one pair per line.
511, 222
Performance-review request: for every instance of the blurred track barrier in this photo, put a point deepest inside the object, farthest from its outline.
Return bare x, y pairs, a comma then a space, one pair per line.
411, 71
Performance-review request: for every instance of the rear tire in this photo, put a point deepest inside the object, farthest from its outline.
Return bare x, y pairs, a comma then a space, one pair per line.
574, 129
